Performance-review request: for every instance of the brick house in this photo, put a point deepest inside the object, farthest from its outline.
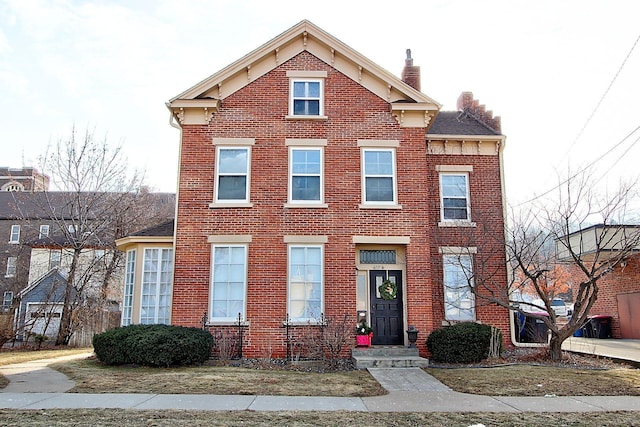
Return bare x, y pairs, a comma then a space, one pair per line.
619, 290
309, 176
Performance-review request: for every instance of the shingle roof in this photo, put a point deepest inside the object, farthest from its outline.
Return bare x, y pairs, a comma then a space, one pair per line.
458, 123
164, 229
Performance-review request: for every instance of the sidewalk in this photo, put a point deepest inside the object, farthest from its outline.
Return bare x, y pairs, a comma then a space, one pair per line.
410, 390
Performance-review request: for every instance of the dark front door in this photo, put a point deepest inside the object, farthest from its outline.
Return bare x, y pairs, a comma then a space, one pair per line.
386, 314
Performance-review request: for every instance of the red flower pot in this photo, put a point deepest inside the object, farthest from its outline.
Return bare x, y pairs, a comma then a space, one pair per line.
363, 340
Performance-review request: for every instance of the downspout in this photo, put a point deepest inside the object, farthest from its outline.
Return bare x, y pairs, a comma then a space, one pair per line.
173, 123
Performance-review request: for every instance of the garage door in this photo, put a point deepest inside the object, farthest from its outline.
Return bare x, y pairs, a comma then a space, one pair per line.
44, 319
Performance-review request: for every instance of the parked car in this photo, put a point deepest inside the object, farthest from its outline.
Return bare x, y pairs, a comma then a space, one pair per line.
559, 307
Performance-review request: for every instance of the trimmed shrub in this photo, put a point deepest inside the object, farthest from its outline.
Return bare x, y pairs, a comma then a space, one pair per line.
465, 342
153, 345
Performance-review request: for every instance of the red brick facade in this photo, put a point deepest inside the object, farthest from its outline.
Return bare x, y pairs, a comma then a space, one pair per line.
258, 110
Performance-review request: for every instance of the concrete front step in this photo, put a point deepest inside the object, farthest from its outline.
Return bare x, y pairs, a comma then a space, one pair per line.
387, 357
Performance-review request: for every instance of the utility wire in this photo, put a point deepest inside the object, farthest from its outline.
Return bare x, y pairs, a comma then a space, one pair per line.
587, 166
604, 95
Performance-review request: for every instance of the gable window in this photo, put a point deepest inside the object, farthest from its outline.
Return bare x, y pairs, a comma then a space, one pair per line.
305, 283
379, 176
458, 298
305, 184
15, 234
7, 299
54, 258
306, 97
44, 231
11, 266
157, 271
129, 282
232, 174
228, 283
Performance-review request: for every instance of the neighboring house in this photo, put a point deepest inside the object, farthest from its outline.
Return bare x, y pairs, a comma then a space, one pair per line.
148, 275
40, 306
23, 179
309, 176
619, 290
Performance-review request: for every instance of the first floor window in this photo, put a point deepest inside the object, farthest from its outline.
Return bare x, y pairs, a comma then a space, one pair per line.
15, 234
11, 266
305, 283
459, 302
156, 286
7, 300
454, 190
129, 282
228, 282
379, 176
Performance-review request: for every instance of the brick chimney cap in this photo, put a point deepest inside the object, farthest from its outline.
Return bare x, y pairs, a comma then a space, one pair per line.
409, 60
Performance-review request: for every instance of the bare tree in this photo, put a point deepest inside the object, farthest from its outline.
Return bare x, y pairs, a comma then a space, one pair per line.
543, 242
96, 201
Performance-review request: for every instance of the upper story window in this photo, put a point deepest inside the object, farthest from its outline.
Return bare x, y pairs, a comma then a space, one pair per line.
454, 188
15, 234
306, 170
306, 93
7, 300
379, 176
11, 267
233, 171
44, 231
455, 207
54, 258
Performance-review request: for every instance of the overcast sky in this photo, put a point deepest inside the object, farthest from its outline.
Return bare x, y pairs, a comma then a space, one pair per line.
542, 66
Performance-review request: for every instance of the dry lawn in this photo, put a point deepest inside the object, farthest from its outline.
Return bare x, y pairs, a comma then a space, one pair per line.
528, 380
11, 356
92, 376
134, 418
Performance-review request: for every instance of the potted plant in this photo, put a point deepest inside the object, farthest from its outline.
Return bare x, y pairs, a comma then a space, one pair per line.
363, 334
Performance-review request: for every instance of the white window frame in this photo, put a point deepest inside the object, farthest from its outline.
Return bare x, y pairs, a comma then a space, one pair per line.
44, 231
158, 286
454, 292
291, 277
11, 266
212, 284
467, 198
129, 285
320, 175
320, 98
55, 261
246, 174
15, 234
71, 228
7, 299
393, 176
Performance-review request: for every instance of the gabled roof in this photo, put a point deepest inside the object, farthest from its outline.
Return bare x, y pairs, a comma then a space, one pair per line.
303, 36
49, 276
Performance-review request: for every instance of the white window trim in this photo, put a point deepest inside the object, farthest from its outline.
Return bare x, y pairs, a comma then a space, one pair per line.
51, 252
129, 288
226, 203
298, 242
306, 203
456, 252
379, 204
444, 222
228, 320
8, 303
308, 76
157, 284
43, 234
11, 266
15, 234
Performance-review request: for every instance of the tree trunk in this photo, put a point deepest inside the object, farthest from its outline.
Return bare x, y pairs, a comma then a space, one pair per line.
64, 333
555, 348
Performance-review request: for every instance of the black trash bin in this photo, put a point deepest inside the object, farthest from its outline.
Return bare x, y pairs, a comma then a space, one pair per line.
535, 330
599, 326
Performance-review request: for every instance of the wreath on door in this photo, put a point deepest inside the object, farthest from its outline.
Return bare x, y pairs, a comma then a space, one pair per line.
388, 290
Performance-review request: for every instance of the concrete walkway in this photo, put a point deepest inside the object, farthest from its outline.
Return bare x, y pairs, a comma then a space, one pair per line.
613, 348
410, 390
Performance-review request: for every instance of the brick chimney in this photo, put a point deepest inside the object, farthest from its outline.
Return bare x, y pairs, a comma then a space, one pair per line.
410, 72
472, 106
